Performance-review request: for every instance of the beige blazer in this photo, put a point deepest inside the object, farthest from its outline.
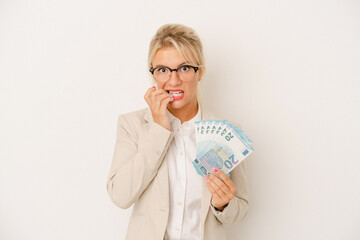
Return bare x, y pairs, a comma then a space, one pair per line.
139, 176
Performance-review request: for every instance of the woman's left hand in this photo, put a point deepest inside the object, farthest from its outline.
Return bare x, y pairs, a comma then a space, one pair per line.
222, 191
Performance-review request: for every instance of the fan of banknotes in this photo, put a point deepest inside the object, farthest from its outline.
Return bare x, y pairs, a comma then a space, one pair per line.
219, 144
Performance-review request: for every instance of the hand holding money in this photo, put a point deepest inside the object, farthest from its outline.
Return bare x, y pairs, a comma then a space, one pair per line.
158, 99
222, 191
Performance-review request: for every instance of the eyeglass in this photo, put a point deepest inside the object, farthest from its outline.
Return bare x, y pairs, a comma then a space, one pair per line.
163, 73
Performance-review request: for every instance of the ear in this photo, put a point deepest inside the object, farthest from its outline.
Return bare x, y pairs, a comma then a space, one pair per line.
200, 75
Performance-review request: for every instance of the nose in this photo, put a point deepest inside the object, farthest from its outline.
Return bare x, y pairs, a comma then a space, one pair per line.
174, 79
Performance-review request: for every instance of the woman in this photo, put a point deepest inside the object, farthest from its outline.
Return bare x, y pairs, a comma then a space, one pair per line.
155, 146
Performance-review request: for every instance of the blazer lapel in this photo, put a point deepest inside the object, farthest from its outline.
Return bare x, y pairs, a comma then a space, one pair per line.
162, 174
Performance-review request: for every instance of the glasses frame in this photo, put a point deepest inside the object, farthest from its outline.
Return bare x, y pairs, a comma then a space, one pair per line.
173, 69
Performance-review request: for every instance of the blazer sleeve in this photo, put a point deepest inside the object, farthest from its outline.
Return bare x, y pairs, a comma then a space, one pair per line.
237, 208
136, 160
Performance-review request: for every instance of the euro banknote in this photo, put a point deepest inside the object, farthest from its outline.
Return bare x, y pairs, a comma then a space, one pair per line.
219, 144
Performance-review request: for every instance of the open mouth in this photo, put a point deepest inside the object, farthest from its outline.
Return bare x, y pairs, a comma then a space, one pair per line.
176, 94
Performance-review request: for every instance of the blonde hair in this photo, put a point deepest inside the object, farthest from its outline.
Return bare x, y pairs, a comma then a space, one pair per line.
184, 39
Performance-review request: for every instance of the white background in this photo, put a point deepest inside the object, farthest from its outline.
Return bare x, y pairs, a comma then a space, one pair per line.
287, 71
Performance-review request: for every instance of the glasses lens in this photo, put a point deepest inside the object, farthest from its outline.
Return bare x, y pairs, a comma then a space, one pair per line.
186, 73
162, 74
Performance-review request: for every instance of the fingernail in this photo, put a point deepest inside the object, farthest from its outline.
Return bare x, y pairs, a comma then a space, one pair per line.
153, 87
205, 176
215, 170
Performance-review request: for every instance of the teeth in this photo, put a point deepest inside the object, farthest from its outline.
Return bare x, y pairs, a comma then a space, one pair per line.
177, 93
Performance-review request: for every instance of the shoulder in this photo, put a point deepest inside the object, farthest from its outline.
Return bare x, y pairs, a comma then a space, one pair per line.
133, 122
133, 117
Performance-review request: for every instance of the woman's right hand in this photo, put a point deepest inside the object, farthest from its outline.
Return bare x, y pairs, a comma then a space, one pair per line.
158, 99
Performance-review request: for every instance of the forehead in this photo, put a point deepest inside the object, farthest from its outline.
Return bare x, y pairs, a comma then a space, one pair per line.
168, 56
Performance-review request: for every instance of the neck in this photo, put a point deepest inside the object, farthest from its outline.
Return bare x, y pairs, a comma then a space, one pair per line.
187, 112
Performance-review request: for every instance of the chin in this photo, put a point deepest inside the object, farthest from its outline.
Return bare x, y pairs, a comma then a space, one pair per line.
177, 104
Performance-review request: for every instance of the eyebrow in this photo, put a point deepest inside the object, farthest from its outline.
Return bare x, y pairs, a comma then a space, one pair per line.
160, 65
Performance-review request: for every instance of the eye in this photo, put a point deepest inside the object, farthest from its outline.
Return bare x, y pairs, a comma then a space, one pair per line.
161, 70
184, 68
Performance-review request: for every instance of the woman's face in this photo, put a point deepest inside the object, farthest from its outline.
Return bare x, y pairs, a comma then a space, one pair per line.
170, 57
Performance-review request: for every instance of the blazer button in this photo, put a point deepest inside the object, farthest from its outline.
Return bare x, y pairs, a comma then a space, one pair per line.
158, 152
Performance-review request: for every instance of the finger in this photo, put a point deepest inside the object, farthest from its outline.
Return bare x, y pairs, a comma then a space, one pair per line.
230, 194
225, 178
160, 99
217, 189
213, 190
220, 184
223, 197
147, 94
164, 103
156, 93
